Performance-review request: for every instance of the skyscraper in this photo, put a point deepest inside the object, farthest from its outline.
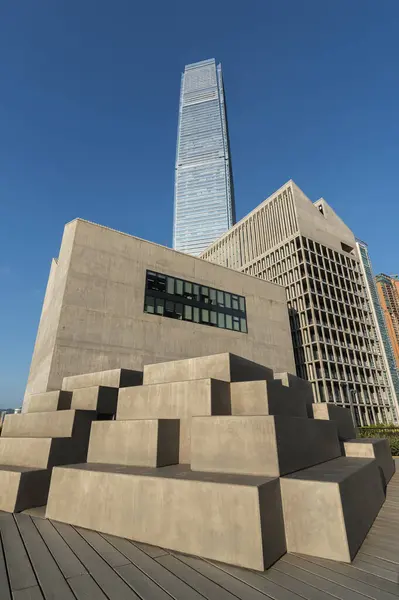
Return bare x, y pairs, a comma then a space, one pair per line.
204, 197
388, 291
335, 330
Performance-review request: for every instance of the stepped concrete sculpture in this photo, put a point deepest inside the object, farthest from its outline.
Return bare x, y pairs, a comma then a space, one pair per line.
54, 430
262, 476
377, 448
341, 416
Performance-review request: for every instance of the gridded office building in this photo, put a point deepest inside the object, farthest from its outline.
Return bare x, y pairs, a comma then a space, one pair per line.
204, 196
307, 248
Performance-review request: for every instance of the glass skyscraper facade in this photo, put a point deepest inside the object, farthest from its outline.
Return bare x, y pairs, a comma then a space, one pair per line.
204, 197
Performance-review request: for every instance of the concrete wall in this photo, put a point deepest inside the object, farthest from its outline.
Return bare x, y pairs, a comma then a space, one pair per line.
41, 366
101, 324
327, 228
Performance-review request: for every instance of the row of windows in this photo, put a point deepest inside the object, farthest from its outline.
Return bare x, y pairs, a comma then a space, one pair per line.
184, 300
186, 312
194, 291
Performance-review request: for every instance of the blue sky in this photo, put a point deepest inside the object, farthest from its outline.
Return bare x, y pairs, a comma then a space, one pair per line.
88, 117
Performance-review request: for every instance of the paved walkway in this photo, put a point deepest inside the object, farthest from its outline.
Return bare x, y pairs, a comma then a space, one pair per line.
41, 559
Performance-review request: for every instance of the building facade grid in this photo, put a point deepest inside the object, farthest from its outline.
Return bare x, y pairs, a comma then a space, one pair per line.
334, 334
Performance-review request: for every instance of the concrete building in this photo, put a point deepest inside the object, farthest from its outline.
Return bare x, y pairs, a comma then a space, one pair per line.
204, 192
115, 301
388, 292
307, 248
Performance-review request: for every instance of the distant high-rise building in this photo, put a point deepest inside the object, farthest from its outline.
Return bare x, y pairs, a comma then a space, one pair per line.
382, 330
307, 248
388, 292
204, 197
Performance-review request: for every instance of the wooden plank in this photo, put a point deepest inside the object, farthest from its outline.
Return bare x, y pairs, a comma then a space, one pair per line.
376, 570
51, 580
318, 582
380, 552
109, 581
255, 580
203, 585
19, 569
348, 582
85, 588
32, 593
299, 587
385, 564
110, 554
68, 563
164, 578
352, 571
145, 587
4, 583
152, 551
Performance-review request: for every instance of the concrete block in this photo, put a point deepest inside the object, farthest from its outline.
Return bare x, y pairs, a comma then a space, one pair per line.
50, 401
261, 445
100, 398
176, 400
377, 448
117, 378
265, 398
225, 367
23, 487
41, 452
329, 508
340, 415
147, 442
301, 387
232, 519
59, 424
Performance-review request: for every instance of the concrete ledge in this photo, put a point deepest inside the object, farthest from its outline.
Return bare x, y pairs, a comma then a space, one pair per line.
41, 452
377, 448
265, 398
59, 424
339, 414
176, 400
261, 445
329, 508
22, 487
151, 443
232, 519
112, 378
49, 401
300, 387
226, 367
100, 398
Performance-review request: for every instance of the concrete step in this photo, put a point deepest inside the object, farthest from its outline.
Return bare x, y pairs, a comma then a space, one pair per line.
102, 399
342, 417
329, 508
225, 367
261, 445
112, 378
265, 398
147, 442
232, 519
300, 387
59, 424
42, 453
176, 400
49, 401
377, 448
23, 487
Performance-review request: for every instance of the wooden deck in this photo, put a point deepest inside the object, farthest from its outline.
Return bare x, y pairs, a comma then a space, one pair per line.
40, 559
